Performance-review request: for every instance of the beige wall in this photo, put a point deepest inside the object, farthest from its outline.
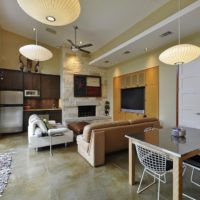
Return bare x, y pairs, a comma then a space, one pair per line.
167, 84
0, 44
9, 53
167, 80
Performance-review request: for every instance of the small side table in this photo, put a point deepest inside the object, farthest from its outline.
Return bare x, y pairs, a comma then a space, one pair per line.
60, 135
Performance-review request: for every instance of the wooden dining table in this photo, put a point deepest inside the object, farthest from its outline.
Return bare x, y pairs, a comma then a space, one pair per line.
177, 149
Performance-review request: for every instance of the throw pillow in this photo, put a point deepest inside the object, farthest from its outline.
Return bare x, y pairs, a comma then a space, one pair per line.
48, 125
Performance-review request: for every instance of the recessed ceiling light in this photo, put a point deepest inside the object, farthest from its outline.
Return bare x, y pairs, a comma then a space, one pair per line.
80, 42
51, 18
127, 52
106, 61
34, 29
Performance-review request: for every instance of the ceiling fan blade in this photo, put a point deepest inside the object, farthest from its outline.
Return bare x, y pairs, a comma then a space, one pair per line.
84, 51
71, 42
85, 45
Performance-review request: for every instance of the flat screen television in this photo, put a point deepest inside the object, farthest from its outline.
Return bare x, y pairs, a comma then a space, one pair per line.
133, 100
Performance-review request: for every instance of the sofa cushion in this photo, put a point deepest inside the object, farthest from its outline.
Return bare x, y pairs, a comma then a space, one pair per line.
32, 118
88, 129
41, 125
82, 144
77, 127
38, 132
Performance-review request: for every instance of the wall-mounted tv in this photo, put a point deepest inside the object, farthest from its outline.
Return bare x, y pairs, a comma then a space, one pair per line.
133, 100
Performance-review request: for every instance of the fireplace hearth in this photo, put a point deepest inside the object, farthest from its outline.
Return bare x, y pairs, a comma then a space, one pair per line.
86, 111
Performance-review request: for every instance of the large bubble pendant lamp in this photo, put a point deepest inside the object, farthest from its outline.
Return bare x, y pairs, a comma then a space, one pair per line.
52, 12
35, 52
181, 53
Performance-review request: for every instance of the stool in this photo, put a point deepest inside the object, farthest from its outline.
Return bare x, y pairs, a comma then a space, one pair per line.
77, 127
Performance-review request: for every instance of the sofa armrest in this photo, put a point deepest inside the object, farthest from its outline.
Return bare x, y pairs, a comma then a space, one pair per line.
56, 130
97, 148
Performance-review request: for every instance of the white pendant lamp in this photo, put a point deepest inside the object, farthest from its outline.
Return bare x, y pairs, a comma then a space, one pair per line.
35, 52
181, 53
52, 12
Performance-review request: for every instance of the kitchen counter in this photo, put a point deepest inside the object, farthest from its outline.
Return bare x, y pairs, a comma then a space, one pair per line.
41, 109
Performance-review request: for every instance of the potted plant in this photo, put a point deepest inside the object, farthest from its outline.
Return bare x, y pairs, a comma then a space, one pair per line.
107, 107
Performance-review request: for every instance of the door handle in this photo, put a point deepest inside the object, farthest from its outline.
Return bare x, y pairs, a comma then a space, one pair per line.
198, 113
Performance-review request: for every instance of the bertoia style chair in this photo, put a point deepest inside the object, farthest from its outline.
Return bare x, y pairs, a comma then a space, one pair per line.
155, 164
194, 164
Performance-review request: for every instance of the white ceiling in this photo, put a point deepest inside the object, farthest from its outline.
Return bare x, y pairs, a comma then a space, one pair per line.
151, 39
100, 21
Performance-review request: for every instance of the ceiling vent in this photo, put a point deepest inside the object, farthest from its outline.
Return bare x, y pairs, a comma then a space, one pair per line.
166, 34
127, 52
52, 31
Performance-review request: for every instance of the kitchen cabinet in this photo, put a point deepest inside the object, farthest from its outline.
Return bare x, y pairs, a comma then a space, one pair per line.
53, 114
11, 79
31, 81
50, 86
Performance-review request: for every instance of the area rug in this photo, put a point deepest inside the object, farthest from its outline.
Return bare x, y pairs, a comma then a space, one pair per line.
5, 170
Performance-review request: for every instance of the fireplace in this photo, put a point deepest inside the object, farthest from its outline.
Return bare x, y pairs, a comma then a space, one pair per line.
86, 111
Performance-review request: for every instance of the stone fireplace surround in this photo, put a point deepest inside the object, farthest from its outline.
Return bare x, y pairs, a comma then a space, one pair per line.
78, 64
72, 112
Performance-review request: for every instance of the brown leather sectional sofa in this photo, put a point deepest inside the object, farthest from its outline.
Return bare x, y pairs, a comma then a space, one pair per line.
99, 139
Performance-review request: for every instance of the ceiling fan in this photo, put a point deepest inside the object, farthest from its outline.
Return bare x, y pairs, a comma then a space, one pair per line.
75, 47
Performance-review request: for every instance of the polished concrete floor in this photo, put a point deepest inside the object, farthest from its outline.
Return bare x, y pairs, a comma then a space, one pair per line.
67, 176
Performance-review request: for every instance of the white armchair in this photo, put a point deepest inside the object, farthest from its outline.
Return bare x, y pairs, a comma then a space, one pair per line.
40, 136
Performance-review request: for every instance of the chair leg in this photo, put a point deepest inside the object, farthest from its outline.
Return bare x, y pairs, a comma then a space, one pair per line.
189, 197
164, 179
51, 146
141, 190
191, 179
184, 170
159, 187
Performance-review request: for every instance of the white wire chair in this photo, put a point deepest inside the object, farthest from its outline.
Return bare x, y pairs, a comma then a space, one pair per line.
155, 164
193, 163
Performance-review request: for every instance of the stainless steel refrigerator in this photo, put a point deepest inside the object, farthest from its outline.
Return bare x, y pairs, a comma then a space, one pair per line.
11, 111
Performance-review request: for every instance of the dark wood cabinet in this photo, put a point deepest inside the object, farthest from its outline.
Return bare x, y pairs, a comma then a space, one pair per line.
31, 81
53, 115
11, 79
50, 86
